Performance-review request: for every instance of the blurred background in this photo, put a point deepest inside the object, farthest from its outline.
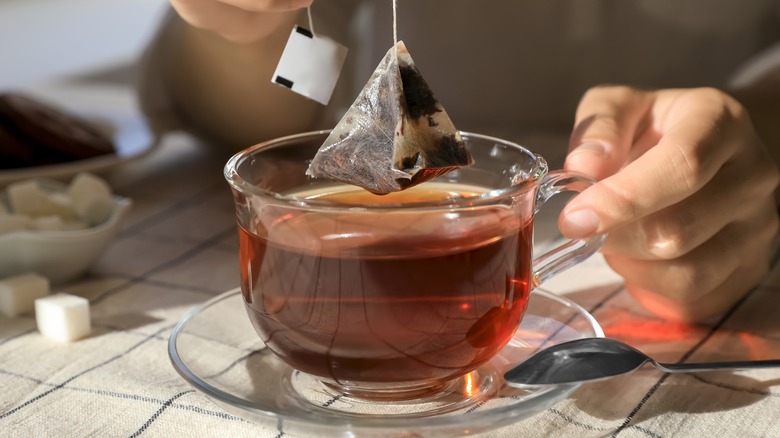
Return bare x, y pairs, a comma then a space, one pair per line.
41, 40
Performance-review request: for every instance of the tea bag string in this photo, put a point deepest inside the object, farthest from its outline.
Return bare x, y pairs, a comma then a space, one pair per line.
395, 22
395, 30
311, 22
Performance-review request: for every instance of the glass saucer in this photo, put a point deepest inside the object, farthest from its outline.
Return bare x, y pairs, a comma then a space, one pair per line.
215, 348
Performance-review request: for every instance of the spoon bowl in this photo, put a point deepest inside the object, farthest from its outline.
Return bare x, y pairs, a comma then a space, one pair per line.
590, 359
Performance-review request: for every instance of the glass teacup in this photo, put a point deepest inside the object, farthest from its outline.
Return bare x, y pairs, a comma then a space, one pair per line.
392, 297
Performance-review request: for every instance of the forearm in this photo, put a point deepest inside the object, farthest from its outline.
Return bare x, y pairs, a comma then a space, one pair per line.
221, 90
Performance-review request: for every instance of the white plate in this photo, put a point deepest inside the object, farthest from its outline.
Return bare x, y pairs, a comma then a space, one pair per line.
111, 107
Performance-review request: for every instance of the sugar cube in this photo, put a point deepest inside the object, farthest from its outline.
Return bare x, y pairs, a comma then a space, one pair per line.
27, 198
63, 317
59, 204
18, 293
91, 198
47, 223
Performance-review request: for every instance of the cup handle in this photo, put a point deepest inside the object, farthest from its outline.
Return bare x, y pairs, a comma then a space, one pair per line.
574, 251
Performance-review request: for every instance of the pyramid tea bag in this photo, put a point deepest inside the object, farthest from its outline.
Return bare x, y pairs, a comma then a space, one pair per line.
395, 135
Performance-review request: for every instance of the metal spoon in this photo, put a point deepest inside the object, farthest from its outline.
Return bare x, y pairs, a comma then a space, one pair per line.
589, 359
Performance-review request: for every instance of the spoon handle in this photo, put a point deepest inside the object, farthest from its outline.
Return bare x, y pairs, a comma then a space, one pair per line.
714, 366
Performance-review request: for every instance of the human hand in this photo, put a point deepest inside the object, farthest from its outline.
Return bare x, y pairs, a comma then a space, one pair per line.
685, 191
240, 21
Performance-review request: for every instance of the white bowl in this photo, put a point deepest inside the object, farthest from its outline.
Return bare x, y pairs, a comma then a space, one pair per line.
59, 255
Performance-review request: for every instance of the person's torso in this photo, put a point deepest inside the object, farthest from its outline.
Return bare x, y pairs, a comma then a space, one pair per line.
522, 65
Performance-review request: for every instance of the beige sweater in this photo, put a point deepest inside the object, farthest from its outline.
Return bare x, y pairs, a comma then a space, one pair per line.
515, 68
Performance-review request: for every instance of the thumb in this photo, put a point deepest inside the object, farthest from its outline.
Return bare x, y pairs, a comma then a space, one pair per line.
606, 123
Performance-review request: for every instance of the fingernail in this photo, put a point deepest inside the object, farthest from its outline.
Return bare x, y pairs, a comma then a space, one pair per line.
580, 223
592, 147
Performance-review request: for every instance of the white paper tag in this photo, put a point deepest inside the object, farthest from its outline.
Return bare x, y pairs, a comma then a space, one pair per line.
310, 65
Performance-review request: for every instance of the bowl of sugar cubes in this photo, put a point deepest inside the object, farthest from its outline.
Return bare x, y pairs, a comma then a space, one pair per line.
57, 230
51, 233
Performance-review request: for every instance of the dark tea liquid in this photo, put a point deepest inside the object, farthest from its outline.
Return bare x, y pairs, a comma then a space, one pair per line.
387, 296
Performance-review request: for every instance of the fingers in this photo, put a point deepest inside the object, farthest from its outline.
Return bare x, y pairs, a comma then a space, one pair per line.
715, 303
605, 124
207, 14
239, 21
685, 192
246, 5
268, 5
676, 230
683, 285
694, 140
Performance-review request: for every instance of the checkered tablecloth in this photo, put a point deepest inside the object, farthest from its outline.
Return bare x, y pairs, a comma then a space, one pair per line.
178, 248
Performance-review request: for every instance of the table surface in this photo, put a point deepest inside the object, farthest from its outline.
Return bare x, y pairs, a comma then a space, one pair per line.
178, 247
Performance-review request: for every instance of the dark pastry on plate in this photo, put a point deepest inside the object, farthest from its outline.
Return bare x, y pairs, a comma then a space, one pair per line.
13, 151
34, 133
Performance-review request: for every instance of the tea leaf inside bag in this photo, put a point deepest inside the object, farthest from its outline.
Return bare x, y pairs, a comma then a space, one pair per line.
395, 135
